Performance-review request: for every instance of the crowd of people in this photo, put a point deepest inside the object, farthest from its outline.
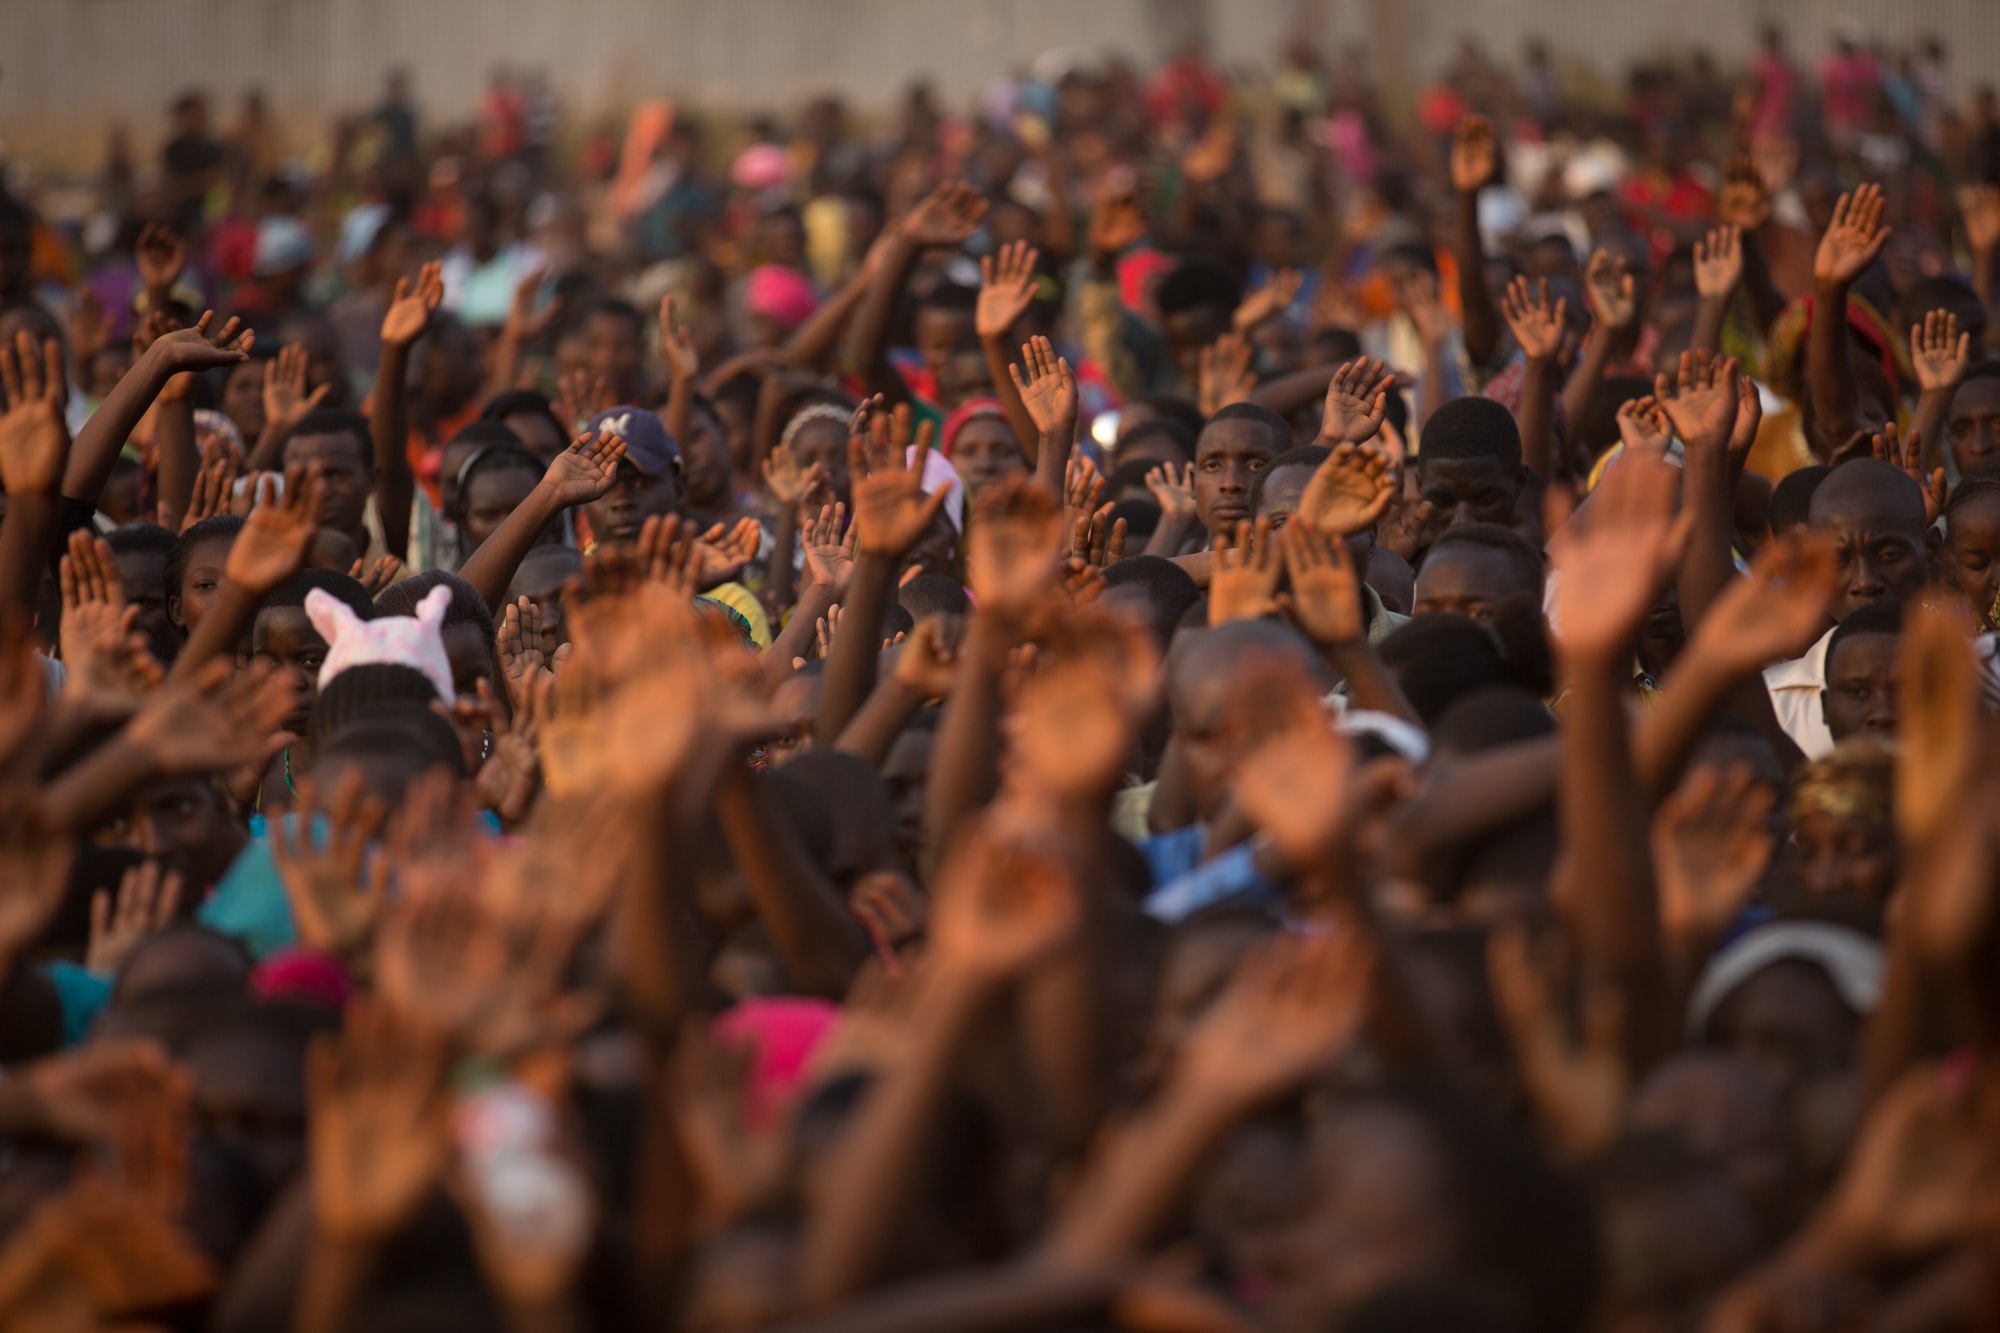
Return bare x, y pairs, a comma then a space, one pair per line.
1158, 701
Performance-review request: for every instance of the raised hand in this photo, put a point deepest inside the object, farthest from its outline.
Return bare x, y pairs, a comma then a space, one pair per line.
1749, 418
527, 317
1853, 239
1351, 490
107, 660
1357, 401
1096, 541
1700, 400
213, 719
411, 308
789, 482
1775, 611
1643, 426
525, 648
34, 440
198, 349
1907, 453
1325, 597
286, 401
89, 327
34, 869
1274, 298
929, 658
377, 1134
1227, 373
1979, 206
1006, 898
511, 777
948, 215
146, 904
334, 891
1172, 490
1610, 288
161, 255
1538, 326
1475, 155
276, 536
214, 486
1047, 388
1417, 296
1578, 1088
1939, 724
1011, 549
78, 1096
1718, 263
1007, 285
1712, 840
1745, 202
1939, 352
1614, 565
376, 576
585, 471
1116, 225
891, 511
1244, 584
829, 548
676, 347
1294, 1005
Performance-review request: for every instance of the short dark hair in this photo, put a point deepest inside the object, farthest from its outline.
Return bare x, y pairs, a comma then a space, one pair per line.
1980, 481
522, 403
349, 592
1175, 432
1304, 455
1883, 617
1169, 590
395, 730
1949, 294
1472, 427
1791, 498
1280, 429
329, 422
618, 309
952, 296
492, 458
141, 539
1173, 407
214, 528
932, 595
1526, 558
1194, 283
466, 607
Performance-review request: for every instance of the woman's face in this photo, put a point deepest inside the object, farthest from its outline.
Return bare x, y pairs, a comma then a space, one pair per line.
243, 399
985, 453
187, 604
490, 496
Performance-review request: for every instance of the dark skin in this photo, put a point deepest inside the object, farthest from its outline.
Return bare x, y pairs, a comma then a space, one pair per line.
184, 823
350, 480
1861, 687
489, 498
187, 604
1972, 423
1468, 579
634, 497
825, 443
1972, 552
1881, 544
985, 452
615, 349
1790, 1023
1227, 459
285, 635
1471, 490
1845, 858
144, 575
938, 331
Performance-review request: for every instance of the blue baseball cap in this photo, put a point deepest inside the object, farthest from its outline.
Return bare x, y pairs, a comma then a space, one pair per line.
648, 446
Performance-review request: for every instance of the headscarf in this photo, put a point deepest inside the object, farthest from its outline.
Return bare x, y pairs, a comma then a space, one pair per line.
967, 412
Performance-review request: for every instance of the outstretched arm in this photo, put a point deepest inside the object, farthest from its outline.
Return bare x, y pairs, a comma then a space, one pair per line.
395, 482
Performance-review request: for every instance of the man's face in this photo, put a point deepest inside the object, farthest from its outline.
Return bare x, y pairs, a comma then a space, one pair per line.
183, 824
1467, 579
285, 637
1972, 425
634, 497
1227, 459
1879, 553
348, 470
144, 574
611, 349
937, 333
1470, 490
1860, 694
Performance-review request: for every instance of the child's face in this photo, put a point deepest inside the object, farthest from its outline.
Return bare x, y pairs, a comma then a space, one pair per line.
490, 498
1861, 678
187, 604
285, 637
1972, 553
937, 332
611, 349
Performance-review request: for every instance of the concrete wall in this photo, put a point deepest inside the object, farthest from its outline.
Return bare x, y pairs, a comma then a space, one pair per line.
68, 67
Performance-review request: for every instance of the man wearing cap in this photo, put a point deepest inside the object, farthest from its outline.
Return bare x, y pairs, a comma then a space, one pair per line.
648, 485
278, 269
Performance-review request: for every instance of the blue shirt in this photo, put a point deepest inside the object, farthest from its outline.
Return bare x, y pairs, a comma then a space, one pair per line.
1185, 884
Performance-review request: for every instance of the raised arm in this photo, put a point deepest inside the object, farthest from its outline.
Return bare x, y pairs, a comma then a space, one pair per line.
1006, 290
34, 444
1475, 162
269, 550
1047, 390
945, 218
576, 476
1940, 354
1538, 328
1852, 241
408, 317
1718, 272
104, 435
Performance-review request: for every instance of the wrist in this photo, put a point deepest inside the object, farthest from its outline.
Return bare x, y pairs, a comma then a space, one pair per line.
1830, 289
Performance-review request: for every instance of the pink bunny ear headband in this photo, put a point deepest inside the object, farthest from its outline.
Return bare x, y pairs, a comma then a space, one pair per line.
396, 640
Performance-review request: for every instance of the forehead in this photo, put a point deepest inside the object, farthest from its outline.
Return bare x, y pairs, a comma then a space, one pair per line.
1463, 565
1282, 489
1456, 472
1977, 397
1863, 652
327, 447
513, 479
984, 432
1866, 510
1236, 438
286, 627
